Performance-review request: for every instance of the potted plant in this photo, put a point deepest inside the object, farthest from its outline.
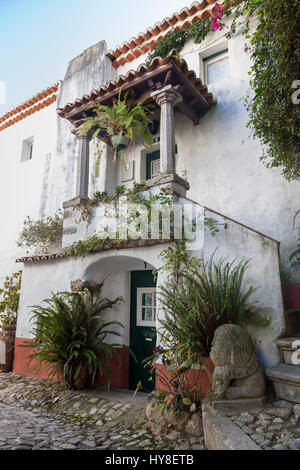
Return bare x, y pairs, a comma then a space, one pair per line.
197, 298
70, 331
9, 295
122, 123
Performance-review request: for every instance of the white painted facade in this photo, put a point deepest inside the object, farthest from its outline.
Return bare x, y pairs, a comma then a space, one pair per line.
217, 157
24, 185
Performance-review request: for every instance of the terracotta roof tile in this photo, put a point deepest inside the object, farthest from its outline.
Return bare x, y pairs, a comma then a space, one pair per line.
198, 10
143, 69
31, 106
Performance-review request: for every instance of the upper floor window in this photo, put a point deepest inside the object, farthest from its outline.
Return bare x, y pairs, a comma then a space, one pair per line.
216, 67
152, 164
27, 149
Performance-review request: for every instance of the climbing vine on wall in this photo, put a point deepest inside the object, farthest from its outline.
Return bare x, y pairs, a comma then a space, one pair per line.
39, 232
274, 115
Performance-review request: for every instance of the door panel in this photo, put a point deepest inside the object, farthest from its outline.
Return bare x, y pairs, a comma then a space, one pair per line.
142, 327
152, 164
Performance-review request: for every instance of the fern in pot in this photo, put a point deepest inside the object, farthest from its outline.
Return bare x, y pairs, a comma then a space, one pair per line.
122, 123
70, 332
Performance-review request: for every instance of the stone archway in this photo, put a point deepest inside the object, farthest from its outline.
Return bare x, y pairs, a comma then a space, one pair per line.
131, 278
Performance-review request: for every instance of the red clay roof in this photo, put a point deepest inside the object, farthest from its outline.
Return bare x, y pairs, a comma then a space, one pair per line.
31, 106
133, 75
187, 16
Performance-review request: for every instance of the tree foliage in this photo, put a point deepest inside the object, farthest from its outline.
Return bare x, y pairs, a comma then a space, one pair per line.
274, 117
275, 51
10, 296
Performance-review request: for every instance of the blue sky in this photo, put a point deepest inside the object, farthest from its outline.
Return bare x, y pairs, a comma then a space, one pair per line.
39, 37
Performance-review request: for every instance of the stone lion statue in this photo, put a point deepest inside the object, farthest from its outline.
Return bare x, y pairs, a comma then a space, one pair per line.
237, 372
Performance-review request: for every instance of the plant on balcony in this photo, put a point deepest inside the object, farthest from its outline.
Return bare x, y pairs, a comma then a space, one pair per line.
9, 303
70, 331
42, 233
121, 122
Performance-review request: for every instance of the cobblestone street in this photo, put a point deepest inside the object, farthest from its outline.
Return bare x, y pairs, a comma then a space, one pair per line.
40, 415
23, 430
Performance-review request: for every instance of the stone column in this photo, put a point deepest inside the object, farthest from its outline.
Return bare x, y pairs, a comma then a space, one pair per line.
167, 98
82, 186
108, 171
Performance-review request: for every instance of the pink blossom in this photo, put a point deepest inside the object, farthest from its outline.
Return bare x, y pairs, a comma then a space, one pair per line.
134, 52
215, 25
219, 9
152, 44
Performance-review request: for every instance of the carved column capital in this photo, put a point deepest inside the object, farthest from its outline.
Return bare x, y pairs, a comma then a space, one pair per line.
77, 131
168, 94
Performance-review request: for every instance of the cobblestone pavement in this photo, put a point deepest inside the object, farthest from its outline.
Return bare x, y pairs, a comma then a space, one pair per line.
276, 427
38, 414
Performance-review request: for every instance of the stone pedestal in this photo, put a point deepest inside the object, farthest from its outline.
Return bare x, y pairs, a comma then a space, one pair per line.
7, 340
233, 407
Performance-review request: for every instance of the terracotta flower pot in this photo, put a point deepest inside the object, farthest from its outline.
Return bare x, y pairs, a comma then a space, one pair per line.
81, 381
7, 340
196, 376
123, 141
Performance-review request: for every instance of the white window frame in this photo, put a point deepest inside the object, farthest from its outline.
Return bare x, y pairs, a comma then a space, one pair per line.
152, 164
140, 292
27, 149
30, 151
208, 62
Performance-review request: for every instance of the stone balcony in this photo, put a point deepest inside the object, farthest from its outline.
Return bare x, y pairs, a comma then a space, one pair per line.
81, 223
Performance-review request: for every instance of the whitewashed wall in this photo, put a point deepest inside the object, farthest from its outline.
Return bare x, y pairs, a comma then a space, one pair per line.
219, 157
40, 279
23, 185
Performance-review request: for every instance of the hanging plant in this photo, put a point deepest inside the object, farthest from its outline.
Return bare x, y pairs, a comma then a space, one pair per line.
122, 123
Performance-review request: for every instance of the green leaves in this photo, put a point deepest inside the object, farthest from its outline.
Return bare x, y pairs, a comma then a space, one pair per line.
273, 117
120, 120
9, 299
38, 232
200, 297
70, 333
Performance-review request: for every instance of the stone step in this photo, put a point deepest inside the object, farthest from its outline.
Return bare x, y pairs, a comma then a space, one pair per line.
286, 380
288, 346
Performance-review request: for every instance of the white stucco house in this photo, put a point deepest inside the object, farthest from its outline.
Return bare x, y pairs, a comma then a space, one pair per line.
47, 165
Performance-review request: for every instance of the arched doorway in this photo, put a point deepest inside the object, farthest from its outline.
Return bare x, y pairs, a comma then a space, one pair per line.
133, 279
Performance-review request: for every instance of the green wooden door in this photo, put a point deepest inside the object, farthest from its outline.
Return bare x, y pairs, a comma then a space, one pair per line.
152, 164
142, 327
